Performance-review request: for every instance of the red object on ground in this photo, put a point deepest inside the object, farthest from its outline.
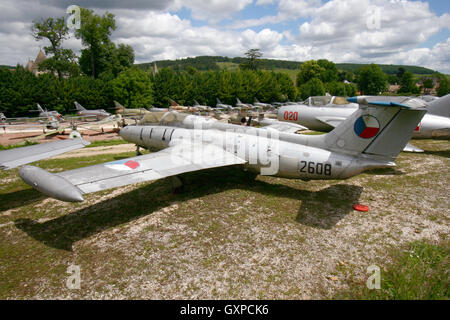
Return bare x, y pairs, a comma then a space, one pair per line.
361, 207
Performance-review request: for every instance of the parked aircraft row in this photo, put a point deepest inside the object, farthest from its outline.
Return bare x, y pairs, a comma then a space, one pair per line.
370, 137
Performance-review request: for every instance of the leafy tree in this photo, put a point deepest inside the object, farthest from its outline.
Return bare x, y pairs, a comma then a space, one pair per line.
309, 70
444, 87
330, 72
55, 31
407, 83
133, 88
371, 79
287, 88
392, 79
428, 83
313, 87
164, 83
400, 72
252, 59
95, 32
322, 69
346, 75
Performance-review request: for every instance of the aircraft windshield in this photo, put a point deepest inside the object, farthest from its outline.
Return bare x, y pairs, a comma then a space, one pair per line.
320, 101
340, 100
172, 117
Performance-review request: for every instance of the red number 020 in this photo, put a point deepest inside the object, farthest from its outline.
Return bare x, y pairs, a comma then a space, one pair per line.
289, 115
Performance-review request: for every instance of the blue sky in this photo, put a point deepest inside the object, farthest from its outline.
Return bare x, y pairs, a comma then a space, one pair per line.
379, 31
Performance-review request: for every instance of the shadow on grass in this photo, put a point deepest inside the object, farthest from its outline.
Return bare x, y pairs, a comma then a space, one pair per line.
385, 172
62, 232
440, 153
20, 198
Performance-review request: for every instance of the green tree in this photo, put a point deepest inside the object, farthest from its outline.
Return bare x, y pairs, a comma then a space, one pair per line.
321, 69
133, 88
309, 70
407, 83
164, 85
444, 87
400, 72
252, 59
95, 32
330, 72
371, 80
313, 87
55, 31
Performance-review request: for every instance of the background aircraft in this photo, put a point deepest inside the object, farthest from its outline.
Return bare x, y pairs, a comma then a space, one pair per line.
262, 105
200, 107
371, 137
97, 113
243, 106
45, 113
326, 118
223, 106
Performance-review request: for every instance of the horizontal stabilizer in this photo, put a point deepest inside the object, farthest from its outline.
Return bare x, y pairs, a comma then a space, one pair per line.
410, 148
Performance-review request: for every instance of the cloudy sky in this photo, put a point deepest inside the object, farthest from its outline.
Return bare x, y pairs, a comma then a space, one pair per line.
379, 31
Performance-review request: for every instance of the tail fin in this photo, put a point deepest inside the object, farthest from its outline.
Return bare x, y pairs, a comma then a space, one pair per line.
256, 100
218, 101
118, 106
440, 107
196, 103
238, 101
79, 107
377, 129
40, 108
173, 103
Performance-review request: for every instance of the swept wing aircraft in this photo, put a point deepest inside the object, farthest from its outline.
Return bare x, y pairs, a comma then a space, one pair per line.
46, 114
200, 107
223, 106
326, 118
262, 105
371, 137
97, 113
243, 106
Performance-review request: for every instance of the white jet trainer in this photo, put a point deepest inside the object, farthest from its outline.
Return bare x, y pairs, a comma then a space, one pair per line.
371, 137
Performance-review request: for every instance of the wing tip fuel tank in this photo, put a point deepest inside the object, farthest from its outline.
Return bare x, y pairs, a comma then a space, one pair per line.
51, 184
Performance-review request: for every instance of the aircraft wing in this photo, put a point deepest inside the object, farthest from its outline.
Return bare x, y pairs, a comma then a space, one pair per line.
71, 185
14, 158
287, 127
331, 121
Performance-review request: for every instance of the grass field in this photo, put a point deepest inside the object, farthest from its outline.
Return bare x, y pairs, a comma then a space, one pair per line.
232, 235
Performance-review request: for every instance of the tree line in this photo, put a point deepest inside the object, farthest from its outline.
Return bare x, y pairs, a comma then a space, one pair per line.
105, 71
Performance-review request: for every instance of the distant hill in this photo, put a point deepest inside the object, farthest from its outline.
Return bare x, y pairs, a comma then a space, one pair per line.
204, 63
6, 67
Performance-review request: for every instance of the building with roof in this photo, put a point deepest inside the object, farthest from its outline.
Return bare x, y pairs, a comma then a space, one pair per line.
33, 66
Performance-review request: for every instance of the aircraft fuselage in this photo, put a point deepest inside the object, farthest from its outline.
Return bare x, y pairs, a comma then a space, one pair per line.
315, 118
265, 152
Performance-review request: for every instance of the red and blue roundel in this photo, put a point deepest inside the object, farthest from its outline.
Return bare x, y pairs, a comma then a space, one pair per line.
367, 127
123, 165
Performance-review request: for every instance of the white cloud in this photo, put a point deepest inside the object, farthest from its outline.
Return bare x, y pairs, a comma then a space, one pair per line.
264, 2
337, 30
